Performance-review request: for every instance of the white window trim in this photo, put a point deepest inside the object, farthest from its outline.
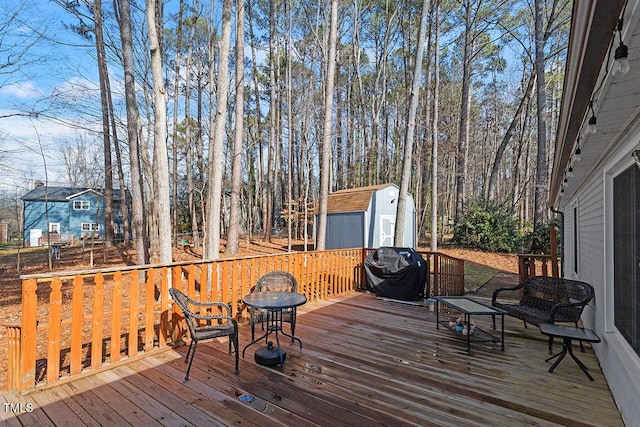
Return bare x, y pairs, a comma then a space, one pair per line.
54, 227
82, 204
90, 226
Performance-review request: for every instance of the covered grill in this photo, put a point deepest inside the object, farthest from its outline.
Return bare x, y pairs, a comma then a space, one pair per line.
398, 273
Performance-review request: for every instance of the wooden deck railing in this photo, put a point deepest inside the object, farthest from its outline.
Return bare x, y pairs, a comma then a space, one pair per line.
530, 265
77, 323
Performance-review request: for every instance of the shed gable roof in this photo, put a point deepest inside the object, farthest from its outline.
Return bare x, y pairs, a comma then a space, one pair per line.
353, 199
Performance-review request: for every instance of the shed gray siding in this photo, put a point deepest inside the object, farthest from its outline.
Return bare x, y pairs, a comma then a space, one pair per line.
345, 230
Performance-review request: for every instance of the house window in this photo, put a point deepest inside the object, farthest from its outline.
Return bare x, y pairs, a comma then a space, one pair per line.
81, 205
54, 227
626, 249
118, 229
87, 226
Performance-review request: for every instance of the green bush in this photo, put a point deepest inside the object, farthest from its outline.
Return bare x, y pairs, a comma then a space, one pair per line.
540, 241
487, 225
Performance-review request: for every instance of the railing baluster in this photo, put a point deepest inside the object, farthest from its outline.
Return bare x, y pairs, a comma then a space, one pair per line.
55, 318
134, 290
97, 320
116, 320
77, 300
149, 312
164, 307
14, 337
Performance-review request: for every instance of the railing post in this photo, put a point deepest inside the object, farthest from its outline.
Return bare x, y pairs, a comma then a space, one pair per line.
554, 251
28, 335
436, 274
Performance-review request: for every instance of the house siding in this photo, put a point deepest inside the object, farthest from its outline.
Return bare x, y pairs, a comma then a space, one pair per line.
95, 213
36, 213
619, 362
60, 210
590, 204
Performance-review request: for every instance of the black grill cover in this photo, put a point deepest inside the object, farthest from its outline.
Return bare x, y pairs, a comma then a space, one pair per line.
398, 273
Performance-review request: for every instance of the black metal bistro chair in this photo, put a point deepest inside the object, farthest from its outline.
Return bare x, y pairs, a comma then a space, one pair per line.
275, 281
217, 325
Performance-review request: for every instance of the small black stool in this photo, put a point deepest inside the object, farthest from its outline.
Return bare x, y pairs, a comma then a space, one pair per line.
568, 333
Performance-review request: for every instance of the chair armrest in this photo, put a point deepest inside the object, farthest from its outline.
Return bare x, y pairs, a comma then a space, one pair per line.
497, 291
208, 303
582, 304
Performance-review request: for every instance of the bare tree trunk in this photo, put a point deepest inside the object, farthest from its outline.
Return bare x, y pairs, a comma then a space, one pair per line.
463, 129
411, 127
133, 123
176, 93
289, 129
161, 159
260, 196
435, 133
106, 137
507, 137
188, 143
541, 165
326, 132
273, 106
214, 209
236, 173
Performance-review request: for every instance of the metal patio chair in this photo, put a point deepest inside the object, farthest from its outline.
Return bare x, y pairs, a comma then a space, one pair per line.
274, 281
217, 325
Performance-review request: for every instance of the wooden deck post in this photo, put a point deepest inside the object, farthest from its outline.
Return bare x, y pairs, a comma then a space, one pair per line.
554, 251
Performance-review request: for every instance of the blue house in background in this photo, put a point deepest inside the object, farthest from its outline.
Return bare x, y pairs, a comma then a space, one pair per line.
73, 213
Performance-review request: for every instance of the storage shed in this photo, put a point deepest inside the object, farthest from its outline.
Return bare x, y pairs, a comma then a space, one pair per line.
366, 217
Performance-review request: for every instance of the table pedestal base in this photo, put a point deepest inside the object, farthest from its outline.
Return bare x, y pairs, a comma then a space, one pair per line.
270, 355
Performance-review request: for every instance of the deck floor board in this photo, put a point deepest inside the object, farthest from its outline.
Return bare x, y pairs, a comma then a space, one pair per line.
364, 362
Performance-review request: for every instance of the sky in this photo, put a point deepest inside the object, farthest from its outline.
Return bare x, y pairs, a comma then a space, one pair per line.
56, 62
59, 63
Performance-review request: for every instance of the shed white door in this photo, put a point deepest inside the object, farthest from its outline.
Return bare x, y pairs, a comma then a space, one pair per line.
387, 229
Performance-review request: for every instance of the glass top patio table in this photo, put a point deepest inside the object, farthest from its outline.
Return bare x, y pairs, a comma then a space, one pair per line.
469, 306
274, 302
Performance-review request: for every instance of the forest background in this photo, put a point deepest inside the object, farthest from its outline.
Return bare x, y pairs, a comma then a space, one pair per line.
238, 118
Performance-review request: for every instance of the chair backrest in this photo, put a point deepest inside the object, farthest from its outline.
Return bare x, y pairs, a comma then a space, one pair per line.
183, 302
545, 292
277, 281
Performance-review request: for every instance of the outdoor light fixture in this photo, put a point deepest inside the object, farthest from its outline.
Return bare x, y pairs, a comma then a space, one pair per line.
591, 128
621, 63
636, 157
570, 172
577, 155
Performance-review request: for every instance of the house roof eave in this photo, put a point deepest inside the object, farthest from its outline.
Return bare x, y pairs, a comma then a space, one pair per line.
592, 28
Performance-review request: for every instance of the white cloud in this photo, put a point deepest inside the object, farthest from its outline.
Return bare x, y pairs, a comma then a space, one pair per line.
20, 90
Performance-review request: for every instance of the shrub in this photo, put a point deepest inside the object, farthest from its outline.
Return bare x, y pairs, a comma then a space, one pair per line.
540, 241
487, 225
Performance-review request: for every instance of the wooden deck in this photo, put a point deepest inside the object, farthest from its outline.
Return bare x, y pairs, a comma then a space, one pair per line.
365, 362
